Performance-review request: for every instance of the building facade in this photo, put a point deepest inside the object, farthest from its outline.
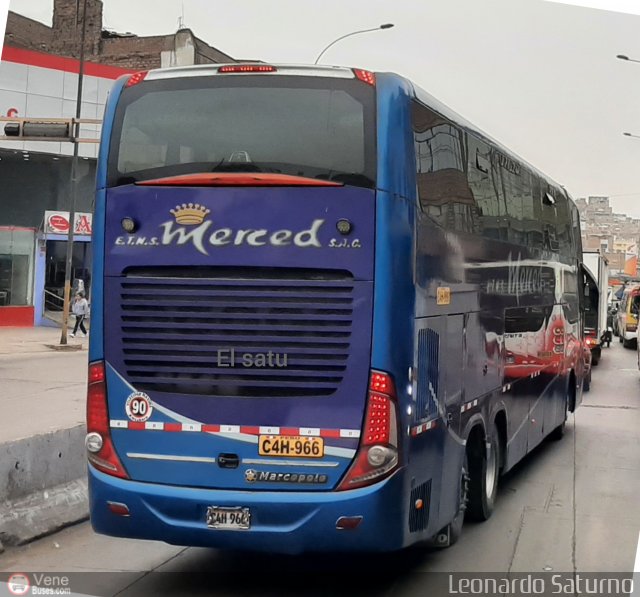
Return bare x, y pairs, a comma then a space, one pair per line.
124, 50
617, 236
39, 79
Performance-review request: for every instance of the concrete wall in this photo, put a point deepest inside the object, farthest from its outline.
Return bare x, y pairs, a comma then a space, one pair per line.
42, 461
43, 485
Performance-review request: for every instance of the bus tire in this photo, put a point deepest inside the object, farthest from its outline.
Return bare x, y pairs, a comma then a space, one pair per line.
558, 433
484, 469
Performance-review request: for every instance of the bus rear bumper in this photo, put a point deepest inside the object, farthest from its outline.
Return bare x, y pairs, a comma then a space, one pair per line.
281, 522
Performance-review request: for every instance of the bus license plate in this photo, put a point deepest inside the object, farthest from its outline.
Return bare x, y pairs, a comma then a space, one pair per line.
229, 519
291, 446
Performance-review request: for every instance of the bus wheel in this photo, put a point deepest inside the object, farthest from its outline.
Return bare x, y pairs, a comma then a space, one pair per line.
586, 383
484, 469
558, 432
451, 533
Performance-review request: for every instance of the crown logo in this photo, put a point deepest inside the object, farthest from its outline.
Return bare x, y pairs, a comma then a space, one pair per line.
189, 213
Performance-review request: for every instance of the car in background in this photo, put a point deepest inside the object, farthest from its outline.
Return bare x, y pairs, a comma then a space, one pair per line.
628, 316
594, 346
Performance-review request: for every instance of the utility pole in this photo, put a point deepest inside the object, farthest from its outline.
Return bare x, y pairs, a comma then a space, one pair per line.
74, 180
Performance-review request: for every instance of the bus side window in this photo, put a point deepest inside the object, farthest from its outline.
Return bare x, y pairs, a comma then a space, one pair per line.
549, 202
441, 161
480, 178
563, 225
516, 193
575, 229
570, 298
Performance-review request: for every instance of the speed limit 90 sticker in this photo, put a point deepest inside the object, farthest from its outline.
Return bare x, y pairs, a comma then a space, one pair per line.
138, 407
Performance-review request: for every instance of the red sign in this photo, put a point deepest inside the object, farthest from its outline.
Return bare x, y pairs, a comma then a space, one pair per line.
58, 223
83, 224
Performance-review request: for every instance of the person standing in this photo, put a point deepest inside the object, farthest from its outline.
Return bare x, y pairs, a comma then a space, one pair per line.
80, 310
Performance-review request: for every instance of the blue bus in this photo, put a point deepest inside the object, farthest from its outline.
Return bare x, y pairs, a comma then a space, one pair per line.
328, 312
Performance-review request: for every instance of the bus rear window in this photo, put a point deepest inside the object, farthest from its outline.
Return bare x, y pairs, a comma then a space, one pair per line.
314, 127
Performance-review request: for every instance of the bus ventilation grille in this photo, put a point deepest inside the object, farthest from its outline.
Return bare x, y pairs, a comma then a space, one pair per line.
419, 517
428, 360
177, 333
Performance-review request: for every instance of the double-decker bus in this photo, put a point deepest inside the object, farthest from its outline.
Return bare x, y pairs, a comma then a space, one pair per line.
308, 286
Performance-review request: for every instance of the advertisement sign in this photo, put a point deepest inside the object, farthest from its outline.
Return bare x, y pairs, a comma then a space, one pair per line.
57, 222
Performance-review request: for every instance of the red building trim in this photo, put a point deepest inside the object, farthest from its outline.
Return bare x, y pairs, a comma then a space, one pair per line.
22, 317
69, 65
17, 228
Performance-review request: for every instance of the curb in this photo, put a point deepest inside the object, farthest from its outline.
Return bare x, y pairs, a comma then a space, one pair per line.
64, 347
43, 513
43, 485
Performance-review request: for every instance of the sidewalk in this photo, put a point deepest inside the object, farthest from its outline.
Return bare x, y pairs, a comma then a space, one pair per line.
14, 341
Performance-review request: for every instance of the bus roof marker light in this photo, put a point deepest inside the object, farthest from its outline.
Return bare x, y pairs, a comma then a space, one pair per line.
366, 76
136, 78
248, 68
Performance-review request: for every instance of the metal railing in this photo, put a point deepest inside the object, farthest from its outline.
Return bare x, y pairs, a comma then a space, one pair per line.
52, 307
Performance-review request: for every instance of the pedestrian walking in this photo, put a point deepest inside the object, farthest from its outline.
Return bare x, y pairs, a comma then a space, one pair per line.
80, 310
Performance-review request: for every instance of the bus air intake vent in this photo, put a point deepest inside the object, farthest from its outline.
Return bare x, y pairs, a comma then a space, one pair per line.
179, 328
419, 507
428, 368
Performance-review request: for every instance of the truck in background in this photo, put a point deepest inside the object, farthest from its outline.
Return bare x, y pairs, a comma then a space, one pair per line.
595, 326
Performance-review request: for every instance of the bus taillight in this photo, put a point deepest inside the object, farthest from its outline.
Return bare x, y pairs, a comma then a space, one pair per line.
100, 450
377, 455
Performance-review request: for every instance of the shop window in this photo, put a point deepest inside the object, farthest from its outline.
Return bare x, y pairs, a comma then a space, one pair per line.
16, 266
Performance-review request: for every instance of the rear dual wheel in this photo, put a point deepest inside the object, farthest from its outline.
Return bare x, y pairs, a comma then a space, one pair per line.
478, 488
484, 470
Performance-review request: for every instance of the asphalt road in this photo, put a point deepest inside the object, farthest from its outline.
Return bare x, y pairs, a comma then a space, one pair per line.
572, 506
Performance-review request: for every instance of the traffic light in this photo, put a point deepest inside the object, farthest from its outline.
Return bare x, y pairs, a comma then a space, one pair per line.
46, 129
39, 129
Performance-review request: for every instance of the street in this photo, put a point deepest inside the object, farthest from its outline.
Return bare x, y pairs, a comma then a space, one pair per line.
569, 507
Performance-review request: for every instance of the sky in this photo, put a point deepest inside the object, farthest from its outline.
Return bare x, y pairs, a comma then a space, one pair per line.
539, 76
